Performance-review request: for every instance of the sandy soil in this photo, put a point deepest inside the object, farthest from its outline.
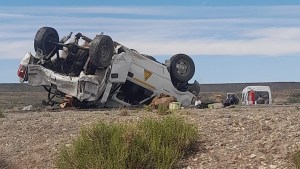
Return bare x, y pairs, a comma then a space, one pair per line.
242, 137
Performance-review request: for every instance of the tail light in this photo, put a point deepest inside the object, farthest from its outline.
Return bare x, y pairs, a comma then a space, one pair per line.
22, 72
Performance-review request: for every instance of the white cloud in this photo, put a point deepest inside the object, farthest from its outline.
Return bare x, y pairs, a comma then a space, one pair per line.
289, 33
86, 10
168, 11
262, 47
194, 35
12, 16
15, 49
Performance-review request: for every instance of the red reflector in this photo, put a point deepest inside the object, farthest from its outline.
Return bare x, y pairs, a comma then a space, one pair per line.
22, 71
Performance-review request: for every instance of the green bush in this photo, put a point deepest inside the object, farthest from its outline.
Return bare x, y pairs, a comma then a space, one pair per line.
148, 144
163, 110
296, 159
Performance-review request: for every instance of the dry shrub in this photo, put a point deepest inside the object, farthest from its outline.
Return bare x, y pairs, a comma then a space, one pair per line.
148, 144
163, 110
296, 159
2, 114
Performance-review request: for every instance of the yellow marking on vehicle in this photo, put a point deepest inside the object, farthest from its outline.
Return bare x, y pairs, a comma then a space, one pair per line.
147, 74
144, 83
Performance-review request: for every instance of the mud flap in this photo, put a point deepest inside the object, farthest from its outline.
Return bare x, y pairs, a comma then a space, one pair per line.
194, 88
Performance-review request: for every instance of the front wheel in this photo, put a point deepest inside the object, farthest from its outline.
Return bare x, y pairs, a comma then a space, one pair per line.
101, 51
182, 68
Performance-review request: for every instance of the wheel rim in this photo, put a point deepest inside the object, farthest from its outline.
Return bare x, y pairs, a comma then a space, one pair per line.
104, 51
182, 67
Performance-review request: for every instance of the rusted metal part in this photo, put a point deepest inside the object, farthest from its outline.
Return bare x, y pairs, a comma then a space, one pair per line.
67, 102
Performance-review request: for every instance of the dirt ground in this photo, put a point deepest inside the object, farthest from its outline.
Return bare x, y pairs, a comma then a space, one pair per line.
241, 137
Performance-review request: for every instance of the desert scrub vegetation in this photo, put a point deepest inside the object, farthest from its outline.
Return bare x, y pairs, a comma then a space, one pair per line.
147, 144
296, 159
294, 98
163, 110
148, 108
2, 114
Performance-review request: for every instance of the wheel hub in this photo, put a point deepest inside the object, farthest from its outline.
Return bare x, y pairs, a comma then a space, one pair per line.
104, 52
182, 67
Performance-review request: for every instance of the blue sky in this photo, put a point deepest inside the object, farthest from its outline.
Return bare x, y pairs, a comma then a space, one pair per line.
230, 41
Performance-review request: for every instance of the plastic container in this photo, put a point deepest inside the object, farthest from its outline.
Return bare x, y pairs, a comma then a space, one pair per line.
174, 105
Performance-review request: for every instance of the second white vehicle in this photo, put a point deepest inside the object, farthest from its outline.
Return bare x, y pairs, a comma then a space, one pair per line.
256, 95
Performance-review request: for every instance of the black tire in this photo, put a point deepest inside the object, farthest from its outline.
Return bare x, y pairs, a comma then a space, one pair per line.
101, 51
80, 60
182, 68
45, 40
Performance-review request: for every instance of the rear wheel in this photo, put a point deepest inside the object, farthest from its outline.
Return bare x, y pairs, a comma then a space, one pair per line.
101, 51
45, 41
182, 68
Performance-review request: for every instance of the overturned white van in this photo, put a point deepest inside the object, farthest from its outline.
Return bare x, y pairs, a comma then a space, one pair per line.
101, 72
256, 94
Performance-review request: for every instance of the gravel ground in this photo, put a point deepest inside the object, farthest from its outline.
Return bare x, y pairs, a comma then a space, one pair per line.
242, 137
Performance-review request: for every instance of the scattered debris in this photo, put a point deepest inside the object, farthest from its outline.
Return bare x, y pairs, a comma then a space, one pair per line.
232, 99
27, 108
67, 102
162, 100
215, 106
174, 106
198, 103
252, 156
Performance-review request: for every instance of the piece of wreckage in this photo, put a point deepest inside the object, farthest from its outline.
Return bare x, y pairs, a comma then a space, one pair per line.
104, 73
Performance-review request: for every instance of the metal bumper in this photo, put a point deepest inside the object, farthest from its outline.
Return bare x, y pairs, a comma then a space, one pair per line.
83, 87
